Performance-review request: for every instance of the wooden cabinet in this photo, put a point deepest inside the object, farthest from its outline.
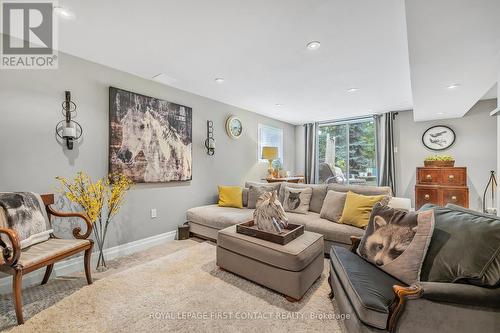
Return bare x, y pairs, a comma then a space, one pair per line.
441, 186
456, 196
425, 194
428, 176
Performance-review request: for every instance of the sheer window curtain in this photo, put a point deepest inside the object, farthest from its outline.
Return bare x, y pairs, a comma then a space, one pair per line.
385, 150
311, 167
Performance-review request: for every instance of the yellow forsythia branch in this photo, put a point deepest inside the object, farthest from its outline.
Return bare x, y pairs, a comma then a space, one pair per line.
93, 195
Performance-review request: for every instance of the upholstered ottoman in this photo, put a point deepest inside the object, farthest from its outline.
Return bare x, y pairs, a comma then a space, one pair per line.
290, 269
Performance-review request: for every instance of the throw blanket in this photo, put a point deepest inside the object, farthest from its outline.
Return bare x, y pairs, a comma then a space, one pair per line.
25, 213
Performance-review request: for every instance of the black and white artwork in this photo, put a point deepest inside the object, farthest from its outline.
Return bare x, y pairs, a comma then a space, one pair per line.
150, 139
438, 137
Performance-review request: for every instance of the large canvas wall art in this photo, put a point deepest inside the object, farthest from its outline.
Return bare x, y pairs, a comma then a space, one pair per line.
150, 139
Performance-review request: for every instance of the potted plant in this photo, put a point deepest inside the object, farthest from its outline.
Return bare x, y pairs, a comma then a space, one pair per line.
277, 167
439, 161
101, 200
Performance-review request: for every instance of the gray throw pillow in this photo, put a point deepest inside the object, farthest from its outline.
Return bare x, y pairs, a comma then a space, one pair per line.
254, 192
465, 247
396, 241
333, 206
276, 186
297, 200
244, 196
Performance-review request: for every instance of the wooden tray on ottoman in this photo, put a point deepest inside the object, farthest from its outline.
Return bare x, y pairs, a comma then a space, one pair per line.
291, 232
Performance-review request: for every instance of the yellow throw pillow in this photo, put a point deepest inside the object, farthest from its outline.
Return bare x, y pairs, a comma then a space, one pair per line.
358, 208
230, 196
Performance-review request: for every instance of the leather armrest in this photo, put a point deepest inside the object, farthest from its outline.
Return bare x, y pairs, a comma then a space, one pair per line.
459, 293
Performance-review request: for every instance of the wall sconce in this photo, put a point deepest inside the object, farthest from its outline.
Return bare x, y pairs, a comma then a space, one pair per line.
68, 129
210, 141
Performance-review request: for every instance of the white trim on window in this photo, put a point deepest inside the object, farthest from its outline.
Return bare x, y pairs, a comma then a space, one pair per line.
272, 137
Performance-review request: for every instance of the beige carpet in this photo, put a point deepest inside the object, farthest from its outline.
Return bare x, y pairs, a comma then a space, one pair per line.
39, 298
181, 292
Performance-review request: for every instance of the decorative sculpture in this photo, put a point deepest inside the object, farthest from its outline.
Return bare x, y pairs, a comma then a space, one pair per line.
269, 215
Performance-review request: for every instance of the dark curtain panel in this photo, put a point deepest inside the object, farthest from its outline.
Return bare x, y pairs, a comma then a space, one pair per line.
311, 167
386, 158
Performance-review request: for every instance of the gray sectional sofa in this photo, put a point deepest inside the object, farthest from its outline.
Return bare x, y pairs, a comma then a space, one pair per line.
458, 291
206, 221
378, 303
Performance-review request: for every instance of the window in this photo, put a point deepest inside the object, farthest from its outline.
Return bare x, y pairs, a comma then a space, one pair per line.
270, 137
347, 152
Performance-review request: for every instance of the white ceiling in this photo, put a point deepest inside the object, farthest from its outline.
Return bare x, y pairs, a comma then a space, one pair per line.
400, 54
492, 93
452, 41
258, 47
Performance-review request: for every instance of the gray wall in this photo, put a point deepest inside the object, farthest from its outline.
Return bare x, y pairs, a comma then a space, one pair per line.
498, 137
498, 154
30, 107
475, 147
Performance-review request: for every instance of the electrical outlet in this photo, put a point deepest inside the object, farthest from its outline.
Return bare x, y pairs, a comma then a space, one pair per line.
153, 213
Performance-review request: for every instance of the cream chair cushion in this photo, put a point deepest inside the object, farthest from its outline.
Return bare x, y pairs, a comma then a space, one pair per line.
52, 247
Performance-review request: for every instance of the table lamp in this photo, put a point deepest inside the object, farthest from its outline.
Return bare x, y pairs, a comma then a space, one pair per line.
270, 154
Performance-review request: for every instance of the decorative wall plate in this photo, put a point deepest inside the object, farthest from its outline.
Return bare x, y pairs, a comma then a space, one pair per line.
234, 127
438, 137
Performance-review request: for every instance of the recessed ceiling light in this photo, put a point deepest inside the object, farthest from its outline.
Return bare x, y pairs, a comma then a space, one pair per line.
163, 78
314, 45
278, 105
64, 13
219, 79
453, 86
370, 110
352, 89
440, 113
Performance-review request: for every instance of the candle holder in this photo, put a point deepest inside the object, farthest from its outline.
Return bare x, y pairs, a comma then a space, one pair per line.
68, 129
489, 196
210, 141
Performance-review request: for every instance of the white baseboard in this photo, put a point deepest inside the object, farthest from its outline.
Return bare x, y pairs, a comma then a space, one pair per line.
72, 265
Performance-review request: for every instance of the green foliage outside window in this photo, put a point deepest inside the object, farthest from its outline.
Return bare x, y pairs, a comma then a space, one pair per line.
355, 147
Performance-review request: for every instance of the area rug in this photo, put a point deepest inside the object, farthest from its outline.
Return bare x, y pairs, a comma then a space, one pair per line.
181, 292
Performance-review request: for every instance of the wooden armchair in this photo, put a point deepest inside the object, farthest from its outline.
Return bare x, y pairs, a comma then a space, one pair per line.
18, 262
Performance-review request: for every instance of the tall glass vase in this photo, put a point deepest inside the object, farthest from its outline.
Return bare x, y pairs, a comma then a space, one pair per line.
101, 263
100, 231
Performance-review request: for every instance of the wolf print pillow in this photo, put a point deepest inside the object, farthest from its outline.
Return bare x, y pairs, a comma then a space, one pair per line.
396, 241
296, 200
